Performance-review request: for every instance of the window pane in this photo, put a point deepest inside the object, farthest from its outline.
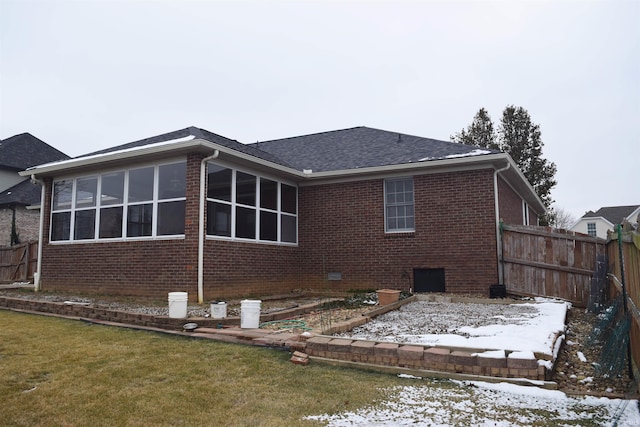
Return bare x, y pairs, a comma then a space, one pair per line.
245, 189
139, 220
289, 199
218, 219
141, 185
171, 218
110, 222
60, 226
269, 226
288, 227
62, 192
86, 189
85, 223
268, 194
172, 181
112, 188
219, 182
399, 204
245, 223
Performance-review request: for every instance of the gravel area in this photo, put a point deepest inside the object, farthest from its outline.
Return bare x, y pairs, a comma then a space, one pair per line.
423, 317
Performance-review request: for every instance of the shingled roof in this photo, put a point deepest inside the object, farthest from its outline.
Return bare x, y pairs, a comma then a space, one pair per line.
362, 147
613, 214
24, 193
197, 133
353, 148
22, 151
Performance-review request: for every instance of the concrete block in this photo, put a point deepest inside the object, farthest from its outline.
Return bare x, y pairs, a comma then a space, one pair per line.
316, 344
362, 347
463, 358
492, 360
436, 355
339, 345
386, 349
410, 352
516, 363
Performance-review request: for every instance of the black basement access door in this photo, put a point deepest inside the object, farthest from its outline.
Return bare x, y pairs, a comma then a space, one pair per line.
428, 280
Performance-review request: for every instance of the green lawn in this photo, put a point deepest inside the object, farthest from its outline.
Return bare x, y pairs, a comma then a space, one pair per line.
70, 373
58, 372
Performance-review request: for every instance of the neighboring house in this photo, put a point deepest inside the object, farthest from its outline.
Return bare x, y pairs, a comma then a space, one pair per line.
357, 208
605, 219
19, 197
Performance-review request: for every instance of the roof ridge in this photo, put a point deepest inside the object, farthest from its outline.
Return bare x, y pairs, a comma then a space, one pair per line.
309, 134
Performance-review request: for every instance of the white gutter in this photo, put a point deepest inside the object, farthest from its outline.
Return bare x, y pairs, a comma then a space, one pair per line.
203, 176
497, 209
37, 274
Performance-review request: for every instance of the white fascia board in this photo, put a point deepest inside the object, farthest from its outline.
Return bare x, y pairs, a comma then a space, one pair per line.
632, 214
592, 219
181, 144
78, 162
443, 164
451, 164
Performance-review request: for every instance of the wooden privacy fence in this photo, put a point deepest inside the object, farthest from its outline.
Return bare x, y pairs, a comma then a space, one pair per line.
540, 261
18, 263
631, 257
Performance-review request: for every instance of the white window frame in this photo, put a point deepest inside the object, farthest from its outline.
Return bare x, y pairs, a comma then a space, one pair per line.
525, 213
257, 208
595, 229
124, 205
388, 205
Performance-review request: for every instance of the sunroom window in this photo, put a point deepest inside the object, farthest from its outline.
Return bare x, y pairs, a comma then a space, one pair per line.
246, 206
134, 203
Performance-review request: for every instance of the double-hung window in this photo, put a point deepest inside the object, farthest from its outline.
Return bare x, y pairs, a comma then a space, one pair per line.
141, 202
242, 205
591, 229
399, 205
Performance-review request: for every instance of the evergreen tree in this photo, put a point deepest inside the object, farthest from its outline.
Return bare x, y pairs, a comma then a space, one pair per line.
518, 137
521, 139
479, 133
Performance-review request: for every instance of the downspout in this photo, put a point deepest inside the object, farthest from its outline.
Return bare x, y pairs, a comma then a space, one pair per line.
203, 168
497, 209
37, 274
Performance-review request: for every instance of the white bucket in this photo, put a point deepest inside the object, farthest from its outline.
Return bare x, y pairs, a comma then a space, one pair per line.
178, 305
250, 313
218, 309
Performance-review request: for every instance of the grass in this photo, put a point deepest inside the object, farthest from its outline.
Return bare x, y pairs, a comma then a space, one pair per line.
70, 373
62, 372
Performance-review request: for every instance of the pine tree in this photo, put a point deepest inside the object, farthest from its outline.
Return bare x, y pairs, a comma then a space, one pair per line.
479, 133
521, 139
518, 137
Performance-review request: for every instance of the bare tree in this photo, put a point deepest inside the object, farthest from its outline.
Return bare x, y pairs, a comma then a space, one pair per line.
560, 218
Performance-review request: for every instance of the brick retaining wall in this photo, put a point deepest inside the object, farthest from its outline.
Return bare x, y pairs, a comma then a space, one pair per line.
415, 356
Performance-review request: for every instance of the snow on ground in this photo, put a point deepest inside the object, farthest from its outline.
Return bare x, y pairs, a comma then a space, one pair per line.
522, 327
455, 403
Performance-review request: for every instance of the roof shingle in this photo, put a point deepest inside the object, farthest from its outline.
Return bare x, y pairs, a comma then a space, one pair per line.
22, 151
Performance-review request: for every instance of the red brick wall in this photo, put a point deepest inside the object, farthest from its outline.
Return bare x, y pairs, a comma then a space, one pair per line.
510, 204
245, 269
342, 230
135, 267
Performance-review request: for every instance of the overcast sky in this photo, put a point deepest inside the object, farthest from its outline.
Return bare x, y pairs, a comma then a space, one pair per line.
86, 75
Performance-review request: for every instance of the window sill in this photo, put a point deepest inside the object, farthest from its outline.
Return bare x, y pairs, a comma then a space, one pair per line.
399, 234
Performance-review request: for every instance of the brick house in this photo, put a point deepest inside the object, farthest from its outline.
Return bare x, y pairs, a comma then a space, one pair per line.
355, 208
19, 197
